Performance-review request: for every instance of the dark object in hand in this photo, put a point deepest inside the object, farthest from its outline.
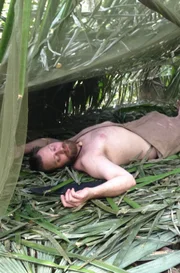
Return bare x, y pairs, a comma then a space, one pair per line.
62, 190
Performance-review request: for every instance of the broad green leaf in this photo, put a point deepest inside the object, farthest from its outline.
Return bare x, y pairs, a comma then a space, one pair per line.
7, 29
15, 99
159, 265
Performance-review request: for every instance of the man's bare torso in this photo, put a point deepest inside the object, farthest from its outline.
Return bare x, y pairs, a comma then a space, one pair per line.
117, 144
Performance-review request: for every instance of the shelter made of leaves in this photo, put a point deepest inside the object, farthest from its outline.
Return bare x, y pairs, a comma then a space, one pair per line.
80, 62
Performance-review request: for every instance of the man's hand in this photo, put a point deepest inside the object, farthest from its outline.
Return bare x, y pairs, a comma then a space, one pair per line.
73, 199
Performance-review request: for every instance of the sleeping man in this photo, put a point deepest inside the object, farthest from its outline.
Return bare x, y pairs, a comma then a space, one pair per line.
99, 151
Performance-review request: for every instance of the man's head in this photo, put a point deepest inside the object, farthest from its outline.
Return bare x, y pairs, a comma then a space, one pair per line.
53, 156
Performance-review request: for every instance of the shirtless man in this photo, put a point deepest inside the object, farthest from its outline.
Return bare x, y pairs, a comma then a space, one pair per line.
99, 150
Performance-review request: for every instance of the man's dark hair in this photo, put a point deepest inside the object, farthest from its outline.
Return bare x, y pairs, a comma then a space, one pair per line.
35, 161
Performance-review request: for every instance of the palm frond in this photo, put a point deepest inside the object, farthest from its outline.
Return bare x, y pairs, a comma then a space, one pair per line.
109, 235
7, 29
127, 46
13, 122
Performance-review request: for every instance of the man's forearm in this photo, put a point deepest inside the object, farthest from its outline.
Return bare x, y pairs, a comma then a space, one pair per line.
113, 187
41, 142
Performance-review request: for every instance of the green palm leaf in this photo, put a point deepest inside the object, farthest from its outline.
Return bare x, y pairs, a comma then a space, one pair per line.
15, 99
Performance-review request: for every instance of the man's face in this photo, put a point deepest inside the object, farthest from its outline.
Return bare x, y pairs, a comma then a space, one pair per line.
58, 154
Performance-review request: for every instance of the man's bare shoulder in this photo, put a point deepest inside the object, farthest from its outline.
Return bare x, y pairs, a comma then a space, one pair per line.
98, 166
82, 161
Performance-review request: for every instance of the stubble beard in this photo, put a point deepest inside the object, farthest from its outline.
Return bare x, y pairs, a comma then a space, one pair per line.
72, 150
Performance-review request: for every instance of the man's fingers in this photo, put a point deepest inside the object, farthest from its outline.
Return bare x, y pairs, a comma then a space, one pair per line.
75, 194
69, 195
70, 201
74, 199
65, 203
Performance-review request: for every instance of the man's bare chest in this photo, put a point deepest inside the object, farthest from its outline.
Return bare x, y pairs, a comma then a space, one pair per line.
117, 144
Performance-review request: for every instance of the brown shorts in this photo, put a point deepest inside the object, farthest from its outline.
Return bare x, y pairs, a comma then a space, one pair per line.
161, 131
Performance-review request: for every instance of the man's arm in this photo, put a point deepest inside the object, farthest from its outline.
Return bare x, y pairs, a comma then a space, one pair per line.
118, 181
41, 142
